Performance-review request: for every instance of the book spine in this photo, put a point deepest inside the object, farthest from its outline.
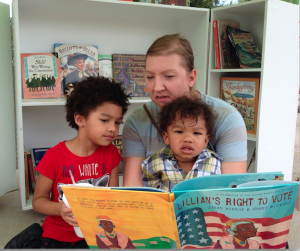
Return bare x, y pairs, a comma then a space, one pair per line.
31, 171
220, 46
216, 41
26, 175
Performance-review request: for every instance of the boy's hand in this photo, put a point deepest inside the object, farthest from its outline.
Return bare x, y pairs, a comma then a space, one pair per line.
67, 215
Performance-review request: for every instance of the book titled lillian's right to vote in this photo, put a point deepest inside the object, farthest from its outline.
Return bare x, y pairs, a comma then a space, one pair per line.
226, 211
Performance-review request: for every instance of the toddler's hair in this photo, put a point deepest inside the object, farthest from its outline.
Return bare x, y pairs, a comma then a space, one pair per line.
187, 107
91, 93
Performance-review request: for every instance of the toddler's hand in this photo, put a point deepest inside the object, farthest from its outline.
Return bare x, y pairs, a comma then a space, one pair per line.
67, 215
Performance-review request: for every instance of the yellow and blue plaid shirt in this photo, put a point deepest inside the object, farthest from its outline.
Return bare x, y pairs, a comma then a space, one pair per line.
160, 170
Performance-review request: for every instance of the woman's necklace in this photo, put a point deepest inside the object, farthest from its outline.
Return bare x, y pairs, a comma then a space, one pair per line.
111, 235
242, 243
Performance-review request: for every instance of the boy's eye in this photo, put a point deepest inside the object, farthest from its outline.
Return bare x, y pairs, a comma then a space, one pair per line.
119, 123
178, 131
104, 120
197, 133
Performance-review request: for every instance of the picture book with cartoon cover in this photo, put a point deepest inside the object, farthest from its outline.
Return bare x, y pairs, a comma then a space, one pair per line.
76, 62
129, 69
218, 211
40, 75
105, 65
245, 48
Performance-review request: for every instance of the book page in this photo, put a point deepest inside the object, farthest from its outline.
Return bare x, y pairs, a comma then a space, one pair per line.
127, 219
235, 218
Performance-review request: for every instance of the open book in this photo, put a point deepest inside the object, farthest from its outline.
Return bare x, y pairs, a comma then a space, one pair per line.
218, 211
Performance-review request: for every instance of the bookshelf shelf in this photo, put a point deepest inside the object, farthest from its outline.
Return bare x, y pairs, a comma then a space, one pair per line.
236, 70
62, 101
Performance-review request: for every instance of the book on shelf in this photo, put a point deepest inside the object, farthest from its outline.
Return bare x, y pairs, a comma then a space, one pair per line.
37, 154
205, 212
245, 48
243, 94
129, 69
117, 142
40, 75
228, 58
26, 175
105, 65
76, 62
31, 172
216, 45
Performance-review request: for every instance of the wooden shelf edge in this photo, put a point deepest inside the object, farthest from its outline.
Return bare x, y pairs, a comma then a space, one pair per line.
236, 70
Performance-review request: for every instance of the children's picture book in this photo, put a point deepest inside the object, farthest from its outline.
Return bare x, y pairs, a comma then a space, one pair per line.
76, 62
242, 93
105, 65
129, 69
169, 2
228, 58
252, 210
245, 48
40, 75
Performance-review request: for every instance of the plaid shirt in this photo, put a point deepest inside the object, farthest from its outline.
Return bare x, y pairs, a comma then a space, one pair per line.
160, 170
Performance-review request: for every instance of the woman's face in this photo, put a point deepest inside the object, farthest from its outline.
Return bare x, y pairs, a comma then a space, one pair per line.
167, 79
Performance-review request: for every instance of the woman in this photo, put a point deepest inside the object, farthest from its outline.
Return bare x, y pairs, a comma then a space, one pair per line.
239, 232
170, 74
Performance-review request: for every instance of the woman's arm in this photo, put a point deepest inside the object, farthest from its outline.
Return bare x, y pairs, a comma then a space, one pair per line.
132, 173
114, 177
234, 167
41, 201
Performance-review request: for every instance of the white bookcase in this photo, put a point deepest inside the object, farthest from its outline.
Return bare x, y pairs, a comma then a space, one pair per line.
129, 27
274, 26
116, 27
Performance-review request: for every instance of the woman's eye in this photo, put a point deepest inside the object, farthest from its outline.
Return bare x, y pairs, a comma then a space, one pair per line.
169, 76
149, 77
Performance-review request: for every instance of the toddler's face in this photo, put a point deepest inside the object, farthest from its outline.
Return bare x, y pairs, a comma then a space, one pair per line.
186, 138
101, 126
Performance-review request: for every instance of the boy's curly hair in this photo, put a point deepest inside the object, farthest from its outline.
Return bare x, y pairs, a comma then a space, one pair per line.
187, 107
91, 93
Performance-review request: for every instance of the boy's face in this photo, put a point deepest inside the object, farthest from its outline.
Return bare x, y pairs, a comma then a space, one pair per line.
101, 126
79, 64
186, 139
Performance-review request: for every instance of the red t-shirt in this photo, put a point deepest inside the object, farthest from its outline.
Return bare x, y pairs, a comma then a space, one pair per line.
56, 164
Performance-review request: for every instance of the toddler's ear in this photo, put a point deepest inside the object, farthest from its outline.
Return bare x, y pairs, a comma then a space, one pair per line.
165, 138
207, 137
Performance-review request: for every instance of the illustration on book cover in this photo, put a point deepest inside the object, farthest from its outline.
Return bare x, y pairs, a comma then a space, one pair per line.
129, 69
40, 75
242, 93
76, 62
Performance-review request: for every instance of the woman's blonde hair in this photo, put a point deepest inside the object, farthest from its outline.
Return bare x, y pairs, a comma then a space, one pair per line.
173, 44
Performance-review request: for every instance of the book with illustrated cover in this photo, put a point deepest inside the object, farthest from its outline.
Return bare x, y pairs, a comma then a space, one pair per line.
243, 94
206, 212
228, 57
245, 48
105, 65
76, 62
40, 75
129, 69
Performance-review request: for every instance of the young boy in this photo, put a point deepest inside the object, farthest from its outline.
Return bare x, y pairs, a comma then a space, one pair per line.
95, 109
186, 126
